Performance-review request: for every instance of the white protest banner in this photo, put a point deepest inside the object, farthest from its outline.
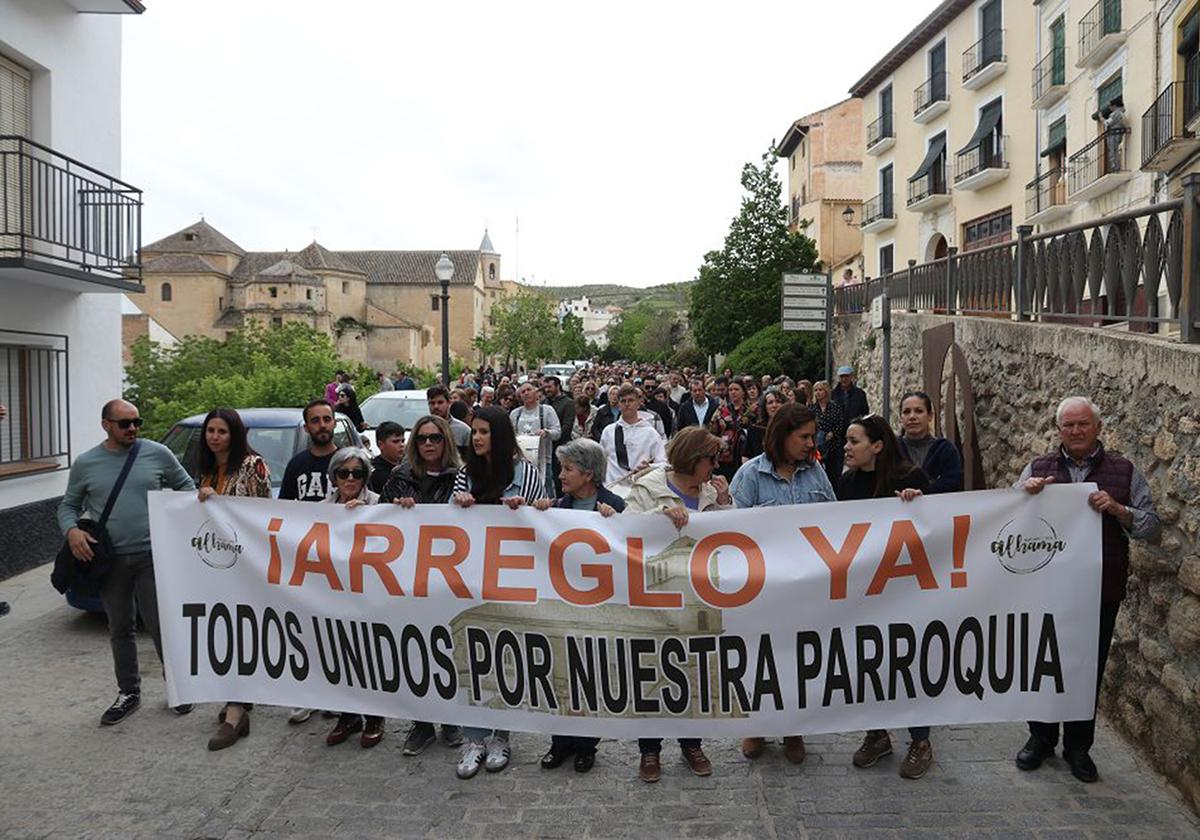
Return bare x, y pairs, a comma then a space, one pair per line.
962, 608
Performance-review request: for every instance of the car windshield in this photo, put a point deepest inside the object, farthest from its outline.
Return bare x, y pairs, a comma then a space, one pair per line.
404, 412
277, 446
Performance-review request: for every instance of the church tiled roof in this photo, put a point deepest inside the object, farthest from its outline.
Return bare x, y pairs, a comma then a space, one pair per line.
413, 268
179, 264
199, 238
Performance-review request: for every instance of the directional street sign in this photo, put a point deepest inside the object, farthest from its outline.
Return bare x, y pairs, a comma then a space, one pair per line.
805, 302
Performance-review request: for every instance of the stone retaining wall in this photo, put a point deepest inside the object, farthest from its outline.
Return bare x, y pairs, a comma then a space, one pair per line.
1148, 391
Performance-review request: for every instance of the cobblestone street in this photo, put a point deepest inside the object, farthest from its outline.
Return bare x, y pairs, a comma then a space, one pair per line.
64, 776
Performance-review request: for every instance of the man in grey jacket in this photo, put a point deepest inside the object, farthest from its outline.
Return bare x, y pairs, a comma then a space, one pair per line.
89, 485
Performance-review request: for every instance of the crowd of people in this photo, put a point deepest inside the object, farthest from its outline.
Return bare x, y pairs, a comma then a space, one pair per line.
617, 440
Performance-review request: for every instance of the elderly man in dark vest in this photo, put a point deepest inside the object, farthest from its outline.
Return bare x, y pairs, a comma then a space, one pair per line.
1127, 509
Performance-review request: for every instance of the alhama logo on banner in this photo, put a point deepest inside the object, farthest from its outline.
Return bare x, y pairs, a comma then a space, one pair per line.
216, 544
1025, 547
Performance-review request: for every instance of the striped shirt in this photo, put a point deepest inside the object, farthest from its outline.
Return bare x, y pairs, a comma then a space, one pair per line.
527, 482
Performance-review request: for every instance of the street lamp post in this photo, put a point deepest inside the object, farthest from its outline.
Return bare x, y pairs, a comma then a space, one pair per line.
444, 271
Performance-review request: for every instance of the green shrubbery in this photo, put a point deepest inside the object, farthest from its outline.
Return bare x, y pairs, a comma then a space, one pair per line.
772, 351
255, 367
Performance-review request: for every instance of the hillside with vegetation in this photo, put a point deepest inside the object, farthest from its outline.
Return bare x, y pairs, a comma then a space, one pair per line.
669, 296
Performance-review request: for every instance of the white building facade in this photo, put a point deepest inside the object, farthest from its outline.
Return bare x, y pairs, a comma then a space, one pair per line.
595, 321
70, 233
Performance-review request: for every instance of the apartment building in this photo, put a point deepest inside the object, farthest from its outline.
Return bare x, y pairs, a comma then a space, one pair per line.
1170, 145
948, 111
69, 240
824, 156
1094, 75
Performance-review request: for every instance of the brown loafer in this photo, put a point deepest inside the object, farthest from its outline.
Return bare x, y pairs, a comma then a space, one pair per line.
649, 770
752, 748
793, 749
228, 735
697, 760
372, 733
346, 726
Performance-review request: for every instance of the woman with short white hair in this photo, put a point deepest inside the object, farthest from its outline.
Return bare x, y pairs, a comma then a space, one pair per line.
349, 471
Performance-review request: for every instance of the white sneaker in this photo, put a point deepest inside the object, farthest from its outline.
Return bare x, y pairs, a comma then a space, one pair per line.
299, 715
469, 761
498, 753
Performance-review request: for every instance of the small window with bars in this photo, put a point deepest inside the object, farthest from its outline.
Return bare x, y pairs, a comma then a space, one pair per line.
35, 430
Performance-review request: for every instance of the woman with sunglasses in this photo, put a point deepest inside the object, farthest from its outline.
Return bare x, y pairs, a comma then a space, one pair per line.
495, 474
229, 467
582, 466
349, 471
425, 476
684, 484
877, 469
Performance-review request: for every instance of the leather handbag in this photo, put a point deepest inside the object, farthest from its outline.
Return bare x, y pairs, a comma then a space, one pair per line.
86, 578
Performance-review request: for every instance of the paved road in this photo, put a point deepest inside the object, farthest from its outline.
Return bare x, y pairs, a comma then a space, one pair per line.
61, 775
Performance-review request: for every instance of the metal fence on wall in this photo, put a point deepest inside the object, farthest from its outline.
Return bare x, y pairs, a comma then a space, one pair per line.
1140, 268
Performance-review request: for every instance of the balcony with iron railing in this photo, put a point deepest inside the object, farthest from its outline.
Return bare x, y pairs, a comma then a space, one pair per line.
982, 165
879, 213
984, 60
1050, 79
931, 99
881, 134
1099, 167
1166, 140
1046, 198
929, 191
66, 224
1100, 33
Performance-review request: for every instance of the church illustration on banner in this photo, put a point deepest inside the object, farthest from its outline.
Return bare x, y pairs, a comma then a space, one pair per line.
667, 571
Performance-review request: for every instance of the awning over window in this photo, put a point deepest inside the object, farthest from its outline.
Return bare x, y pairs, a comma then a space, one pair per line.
989, 119
1057, 141
937, 148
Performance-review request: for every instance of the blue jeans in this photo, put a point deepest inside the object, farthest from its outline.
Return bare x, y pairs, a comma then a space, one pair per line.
479, 733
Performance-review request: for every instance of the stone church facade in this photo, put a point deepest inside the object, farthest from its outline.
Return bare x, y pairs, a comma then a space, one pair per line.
382, 308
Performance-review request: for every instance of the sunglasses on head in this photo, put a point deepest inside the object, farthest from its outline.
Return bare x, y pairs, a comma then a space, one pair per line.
435, 437
125, 423
344, 474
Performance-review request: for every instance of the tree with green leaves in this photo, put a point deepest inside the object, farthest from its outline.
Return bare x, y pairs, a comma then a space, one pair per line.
523, 326
572, 344
254, 367
738, 289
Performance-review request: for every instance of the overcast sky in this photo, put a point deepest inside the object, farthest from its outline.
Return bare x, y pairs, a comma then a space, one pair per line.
614, 133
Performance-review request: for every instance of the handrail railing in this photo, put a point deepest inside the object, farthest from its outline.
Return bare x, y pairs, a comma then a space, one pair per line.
1103, 156
1102, 19
934, 89
878, 207
989, 154
987, 50
1050, 72
881, 129
61, 211
1045, 191
1128, 268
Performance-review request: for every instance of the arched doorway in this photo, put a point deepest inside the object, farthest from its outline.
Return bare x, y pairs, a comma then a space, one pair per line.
937, 248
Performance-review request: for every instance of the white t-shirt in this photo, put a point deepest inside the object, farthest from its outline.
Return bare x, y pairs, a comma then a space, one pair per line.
642, 443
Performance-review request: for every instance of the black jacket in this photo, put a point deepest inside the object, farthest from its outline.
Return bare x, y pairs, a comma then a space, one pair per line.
604, 496
428, 490
663, 410
381, 468
853, 403
605, 416
564, 407
943, 465
687, 412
